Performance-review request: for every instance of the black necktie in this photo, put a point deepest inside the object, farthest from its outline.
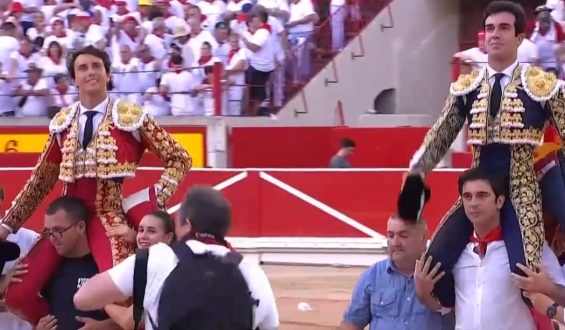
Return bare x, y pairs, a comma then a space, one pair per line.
88, 128
496, 94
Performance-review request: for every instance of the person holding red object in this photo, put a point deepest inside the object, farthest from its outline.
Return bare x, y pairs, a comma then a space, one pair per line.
93, 146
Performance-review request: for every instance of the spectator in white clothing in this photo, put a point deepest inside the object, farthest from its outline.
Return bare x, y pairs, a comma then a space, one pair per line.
214, 11
125, 76
301, 25
34, 93
181, 33
206, 90
155, 104
60, 34
476, 57
221, 33
8, 108
178, 85
54, 62
62, 95
485, 292
198, 36
149, 67
261, 57
158, 41
235, 74
21, 59
203, 222
8, 42
38, 32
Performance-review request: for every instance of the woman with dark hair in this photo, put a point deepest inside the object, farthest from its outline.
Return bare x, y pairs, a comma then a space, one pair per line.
53, 63
154, 228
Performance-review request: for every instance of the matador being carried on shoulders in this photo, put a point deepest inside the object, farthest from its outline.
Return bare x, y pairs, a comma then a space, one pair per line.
93, 146
507, 106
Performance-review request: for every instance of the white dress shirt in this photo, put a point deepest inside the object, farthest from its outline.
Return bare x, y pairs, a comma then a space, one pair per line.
162, 261
507, 75
486, 296
97, 119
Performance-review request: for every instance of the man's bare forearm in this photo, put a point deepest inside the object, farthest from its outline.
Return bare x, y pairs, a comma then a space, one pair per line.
349, 326
557, 294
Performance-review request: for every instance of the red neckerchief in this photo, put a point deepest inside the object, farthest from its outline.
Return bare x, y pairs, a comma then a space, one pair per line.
231, 53
494, 235
263, 26
209, 239
203, 18
175, 68
242, 17
204, 59
62, 34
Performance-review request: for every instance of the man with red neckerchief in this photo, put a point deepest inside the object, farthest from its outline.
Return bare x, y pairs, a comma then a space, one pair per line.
485, 290
202, 222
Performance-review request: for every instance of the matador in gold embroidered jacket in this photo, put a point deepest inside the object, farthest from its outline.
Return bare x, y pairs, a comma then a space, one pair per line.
95, 173
503, 143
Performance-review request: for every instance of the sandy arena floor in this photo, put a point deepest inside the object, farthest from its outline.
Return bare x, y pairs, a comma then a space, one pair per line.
326, 289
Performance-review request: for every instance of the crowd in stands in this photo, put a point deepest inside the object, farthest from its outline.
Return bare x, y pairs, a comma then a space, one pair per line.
162, 52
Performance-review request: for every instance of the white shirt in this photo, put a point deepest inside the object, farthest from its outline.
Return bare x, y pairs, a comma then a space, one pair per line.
476, 56
162, 261
507, 75
214, 11
275, 4
97, 119
8, 45
527, 51
157, 45
177, 84
22, 63
35, 105
298, 11
25, 239
264, 59
486, 296
126, 76
195, 43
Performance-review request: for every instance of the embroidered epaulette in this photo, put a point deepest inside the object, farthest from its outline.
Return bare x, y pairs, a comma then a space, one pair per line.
128, 116
62, 119
538, 84
466, 83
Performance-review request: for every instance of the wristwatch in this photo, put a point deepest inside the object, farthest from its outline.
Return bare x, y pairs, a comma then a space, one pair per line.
552, 310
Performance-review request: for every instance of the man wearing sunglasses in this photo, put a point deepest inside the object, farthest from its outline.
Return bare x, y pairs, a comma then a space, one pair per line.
65, 227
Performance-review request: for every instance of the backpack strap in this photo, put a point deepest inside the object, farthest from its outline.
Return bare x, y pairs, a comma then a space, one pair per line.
139, 284
233, 257
183, 251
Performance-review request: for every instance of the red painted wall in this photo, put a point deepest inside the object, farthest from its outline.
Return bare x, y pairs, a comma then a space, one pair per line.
311, 147
264, 209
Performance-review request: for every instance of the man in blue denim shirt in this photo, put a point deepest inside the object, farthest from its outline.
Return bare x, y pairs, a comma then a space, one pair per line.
385, 296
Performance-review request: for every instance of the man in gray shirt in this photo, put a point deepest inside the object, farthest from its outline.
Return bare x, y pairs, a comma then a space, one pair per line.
341, 158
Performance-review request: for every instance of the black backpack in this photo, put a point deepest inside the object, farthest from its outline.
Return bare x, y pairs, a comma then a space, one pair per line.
203, 292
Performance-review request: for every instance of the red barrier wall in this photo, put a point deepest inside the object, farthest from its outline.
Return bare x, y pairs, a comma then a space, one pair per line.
312, 147
291, 203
